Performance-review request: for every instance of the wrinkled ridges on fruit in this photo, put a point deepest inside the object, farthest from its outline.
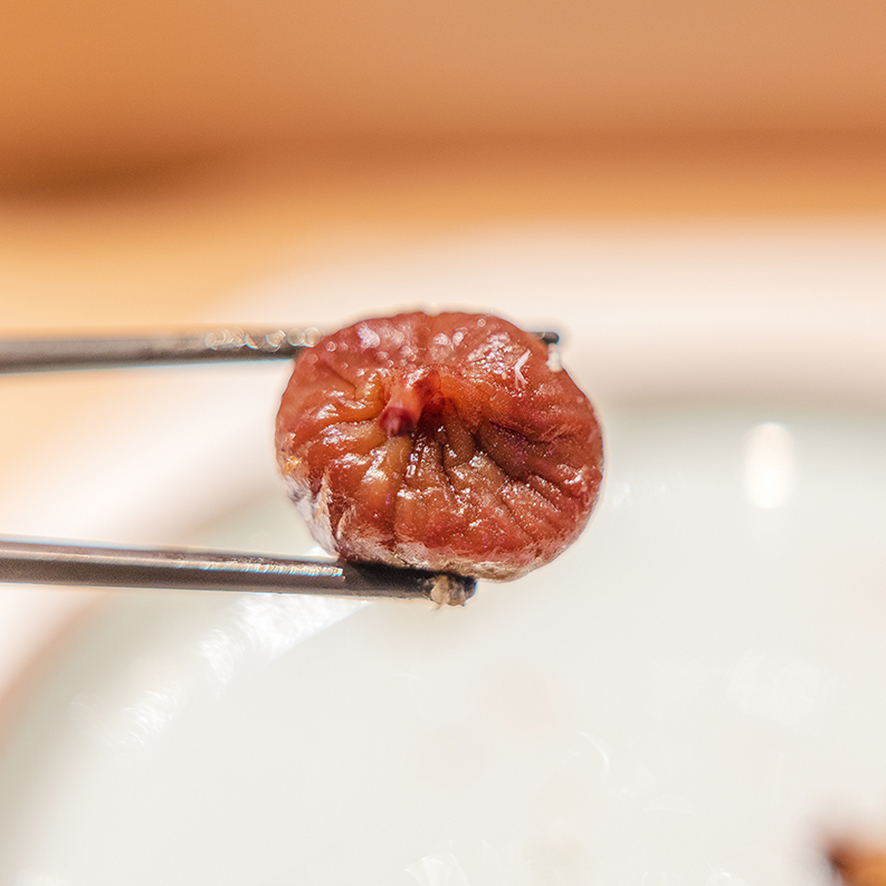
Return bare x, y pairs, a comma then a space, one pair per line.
446, 442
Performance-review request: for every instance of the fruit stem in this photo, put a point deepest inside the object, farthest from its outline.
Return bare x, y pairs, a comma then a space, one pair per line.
405, 405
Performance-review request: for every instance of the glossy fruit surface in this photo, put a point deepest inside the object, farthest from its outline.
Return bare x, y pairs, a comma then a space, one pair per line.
452, 442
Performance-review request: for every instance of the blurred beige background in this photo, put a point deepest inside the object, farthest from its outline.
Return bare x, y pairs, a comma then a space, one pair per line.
98, 85
153, 156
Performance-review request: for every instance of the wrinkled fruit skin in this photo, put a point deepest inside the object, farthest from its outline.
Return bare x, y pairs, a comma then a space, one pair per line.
443, 442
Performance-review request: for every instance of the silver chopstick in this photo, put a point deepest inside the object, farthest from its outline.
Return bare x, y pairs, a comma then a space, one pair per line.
68, 563
217, 345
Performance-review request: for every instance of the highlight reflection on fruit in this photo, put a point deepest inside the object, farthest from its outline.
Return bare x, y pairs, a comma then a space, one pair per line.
452, 442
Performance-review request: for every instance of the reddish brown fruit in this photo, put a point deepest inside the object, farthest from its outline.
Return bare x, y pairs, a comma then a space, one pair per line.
858, 865
446, 442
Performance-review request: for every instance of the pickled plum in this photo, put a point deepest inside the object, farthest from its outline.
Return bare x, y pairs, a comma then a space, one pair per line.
858, 864
449, 442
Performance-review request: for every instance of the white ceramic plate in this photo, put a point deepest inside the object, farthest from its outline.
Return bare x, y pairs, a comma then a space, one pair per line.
690, 695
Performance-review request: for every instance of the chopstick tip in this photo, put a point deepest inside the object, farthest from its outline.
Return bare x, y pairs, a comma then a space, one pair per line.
452, 590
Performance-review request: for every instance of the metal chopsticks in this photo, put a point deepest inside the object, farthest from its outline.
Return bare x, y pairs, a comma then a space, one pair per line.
63, 563
56, 563
216, 345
